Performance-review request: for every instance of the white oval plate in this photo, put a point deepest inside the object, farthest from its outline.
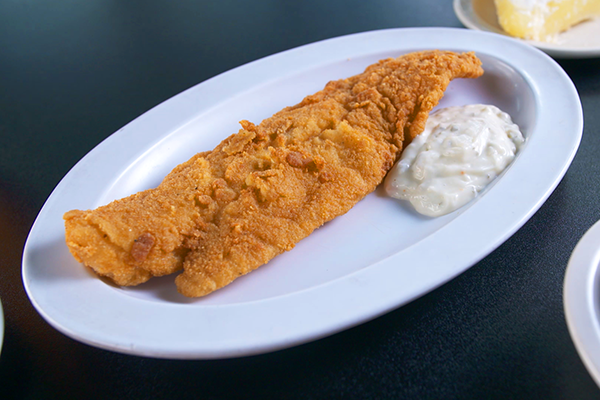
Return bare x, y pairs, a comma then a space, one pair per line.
375, 258
582, 299
581, 41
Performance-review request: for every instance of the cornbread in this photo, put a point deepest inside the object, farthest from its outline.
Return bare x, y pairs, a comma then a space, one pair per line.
542, 20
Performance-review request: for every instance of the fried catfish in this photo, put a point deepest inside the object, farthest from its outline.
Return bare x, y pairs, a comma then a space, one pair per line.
225, 212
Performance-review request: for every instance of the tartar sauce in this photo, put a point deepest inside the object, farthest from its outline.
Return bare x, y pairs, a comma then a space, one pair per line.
461, 150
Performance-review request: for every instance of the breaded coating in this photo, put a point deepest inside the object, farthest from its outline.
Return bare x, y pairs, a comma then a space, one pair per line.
226, 212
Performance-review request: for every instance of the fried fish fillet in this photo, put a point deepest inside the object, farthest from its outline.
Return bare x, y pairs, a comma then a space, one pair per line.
225, 212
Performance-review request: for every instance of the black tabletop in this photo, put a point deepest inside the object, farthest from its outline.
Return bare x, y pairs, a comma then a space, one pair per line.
74, 72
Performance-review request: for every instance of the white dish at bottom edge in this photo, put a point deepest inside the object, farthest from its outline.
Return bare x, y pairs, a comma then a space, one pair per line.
374, 259
581, 296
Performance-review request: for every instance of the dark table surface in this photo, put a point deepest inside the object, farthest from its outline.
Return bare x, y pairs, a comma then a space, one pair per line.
74, 72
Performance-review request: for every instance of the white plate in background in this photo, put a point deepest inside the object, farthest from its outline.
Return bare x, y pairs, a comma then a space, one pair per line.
1, 327
373, 259
582, 299
581, 41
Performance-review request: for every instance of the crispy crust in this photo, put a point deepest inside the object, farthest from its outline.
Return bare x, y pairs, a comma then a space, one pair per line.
224, 213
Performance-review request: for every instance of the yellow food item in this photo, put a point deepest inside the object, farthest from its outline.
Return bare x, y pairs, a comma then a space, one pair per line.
542, 20
225, 212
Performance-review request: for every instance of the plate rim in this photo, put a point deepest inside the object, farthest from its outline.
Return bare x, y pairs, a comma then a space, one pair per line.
359, 280
2, 327
581, 297
463, 10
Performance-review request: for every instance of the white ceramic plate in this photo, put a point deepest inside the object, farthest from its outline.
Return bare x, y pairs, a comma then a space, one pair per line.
582, 299
581, 41
375, 258
1, 327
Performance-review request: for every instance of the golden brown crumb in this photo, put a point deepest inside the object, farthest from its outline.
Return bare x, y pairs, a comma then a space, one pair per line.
226, 212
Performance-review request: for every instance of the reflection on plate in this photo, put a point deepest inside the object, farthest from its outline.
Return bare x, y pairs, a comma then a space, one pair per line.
369, 261
581, 41
582, 299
